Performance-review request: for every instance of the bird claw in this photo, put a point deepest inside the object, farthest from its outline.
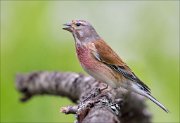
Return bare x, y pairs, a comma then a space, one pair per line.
106, 87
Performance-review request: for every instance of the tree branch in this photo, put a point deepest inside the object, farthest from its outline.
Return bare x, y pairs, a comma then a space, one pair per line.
95, 103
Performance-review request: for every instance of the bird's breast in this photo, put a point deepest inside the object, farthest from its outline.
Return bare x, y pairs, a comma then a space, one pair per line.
84, 56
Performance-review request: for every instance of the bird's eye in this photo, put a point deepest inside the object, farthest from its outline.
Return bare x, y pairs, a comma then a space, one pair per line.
78, 24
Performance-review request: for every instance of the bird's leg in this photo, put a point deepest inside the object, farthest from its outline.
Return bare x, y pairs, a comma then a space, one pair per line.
106, 87
92, 94
97, 92
104, 90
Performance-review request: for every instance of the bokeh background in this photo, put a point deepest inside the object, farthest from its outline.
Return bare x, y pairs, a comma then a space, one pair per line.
144, 33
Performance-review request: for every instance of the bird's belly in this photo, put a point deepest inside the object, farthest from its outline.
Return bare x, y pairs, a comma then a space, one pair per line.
102, 75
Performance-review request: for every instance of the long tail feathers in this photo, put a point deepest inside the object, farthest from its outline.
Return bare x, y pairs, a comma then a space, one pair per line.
156, 102
144, 92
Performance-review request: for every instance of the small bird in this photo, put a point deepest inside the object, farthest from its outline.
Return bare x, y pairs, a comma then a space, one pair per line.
102, 63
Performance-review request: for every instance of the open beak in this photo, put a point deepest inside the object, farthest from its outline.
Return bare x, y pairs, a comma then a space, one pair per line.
68, 27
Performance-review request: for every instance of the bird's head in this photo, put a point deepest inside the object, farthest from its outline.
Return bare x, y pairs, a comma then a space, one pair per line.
82, 31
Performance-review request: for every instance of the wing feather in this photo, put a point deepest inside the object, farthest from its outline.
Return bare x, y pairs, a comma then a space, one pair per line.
107, 56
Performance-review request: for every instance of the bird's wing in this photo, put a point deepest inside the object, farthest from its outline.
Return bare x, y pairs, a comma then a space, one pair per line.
107, 56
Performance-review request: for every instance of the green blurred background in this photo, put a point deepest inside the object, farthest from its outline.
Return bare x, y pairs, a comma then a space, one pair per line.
145, 34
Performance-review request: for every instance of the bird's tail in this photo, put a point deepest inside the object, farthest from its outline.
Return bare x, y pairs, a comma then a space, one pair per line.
156, 102
140, 90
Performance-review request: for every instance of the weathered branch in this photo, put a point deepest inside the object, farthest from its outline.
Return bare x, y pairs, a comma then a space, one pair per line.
93, 103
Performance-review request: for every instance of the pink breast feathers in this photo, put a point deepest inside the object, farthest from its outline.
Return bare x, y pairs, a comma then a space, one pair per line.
85, 57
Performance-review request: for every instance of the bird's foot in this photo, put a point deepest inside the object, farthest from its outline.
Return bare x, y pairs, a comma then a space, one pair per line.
95, 93
106, 87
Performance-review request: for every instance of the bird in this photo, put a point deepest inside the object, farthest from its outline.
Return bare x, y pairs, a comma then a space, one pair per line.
99, 60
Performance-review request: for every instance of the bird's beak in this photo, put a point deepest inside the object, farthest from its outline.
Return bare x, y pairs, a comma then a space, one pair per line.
68, 27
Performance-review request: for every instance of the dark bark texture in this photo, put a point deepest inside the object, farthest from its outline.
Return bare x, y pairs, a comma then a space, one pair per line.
95, 103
